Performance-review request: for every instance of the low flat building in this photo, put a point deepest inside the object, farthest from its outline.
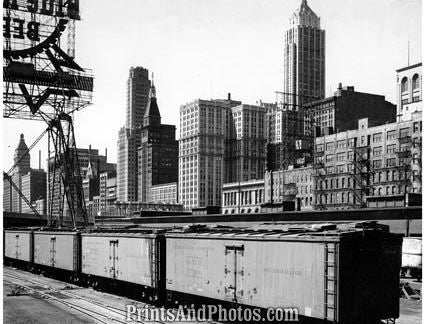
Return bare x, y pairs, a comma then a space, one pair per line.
166, 193
244, 197
294, 184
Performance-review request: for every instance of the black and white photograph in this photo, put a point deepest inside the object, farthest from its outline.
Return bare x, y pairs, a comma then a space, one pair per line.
212, 161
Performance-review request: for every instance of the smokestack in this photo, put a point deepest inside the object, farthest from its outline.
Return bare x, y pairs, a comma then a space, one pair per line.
340, 86
229, 96
39, 159
106, 154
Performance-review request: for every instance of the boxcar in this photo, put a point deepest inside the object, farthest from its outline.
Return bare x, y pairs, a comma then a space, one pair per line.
130, 257
57, 249
341, 274
412, 256
18, 245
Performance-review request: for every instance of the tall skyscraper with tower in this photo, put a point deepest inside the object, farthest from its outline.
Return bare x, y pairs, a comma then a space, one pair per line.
129, 136
303, 82
304, 58
158, 152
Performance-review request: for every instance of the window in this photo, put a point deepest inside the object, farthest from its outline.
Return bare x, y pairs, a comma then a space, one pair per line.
404, 132
340, 169
351, 142
376, 164
415, 82
391, 162
377, 151
350, 155
340, 144
330, 170
391, 148
330, 158
329, 146
319, 147
377, 137
415, 158
350, 167
340, 156
404, 84
391, 135
415, 127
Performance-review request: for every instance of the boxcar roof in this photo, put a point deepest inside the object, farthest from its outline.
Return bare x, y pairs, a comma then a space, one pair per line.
284, 232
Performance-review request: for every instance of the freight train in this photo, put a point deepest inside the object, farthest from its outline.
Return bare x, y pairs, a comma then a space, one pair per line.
339, 273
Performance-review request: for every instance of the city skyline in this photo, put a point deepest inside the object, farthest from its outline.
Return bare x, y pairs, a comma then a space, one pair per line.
255, 45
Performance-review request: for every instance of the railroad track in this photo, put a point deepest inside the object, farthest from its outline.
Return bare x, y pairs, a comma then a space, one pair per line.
98, 311
101, 315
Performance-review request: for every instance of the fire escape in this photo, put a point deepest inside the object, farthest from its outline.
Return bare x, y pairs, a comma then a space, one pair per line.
405, 163
361, 173
320, 178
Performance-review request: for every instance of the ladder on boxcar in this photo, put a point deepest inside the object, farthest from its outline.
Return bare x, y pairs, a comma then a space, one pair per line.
331, 272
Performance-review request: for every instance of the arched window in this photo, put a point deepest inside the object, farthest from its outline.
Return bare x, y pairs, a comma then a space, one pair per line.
415, 82
393, 190
404, 84
388, 190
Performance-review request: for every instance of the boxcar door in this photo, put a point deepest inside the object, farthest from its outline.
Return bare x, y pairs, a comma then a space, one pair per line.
113, 258
52, 251
233, 272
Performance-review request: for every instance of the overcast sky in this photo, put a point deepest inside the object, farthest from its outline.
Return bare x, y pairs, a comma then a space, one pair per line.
207, 48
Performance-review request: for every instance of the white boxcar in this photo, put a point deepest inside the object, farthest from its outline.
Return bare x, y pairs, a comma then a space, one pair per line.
18, 245
57, 249
131, 257
412, 252
323, 274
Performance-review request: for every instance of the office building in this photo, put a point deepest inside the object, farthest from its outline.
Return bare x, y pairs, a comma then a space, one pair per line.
246, 144
304, 58
129, 136
31, 182
292, 184
91, 164
409, 91
166, 193
380, 161
204, 125
158, 153
341, 111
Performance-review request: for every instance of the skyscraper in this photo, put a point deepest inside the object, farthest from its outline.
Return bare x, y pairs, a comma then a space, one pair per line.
158, 152
204, 126
129, 136
31, 182
246, 143
304, 58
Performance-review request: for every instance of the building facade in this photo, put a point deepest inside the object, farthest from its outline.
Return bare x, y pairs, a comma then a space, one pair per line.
409, 91
158, 152
342, 111
129, 136
33, 187
31, 182
304, 58
292, 184
204, 125
246, 144
166, 193
383, 160
91, 164
245, 197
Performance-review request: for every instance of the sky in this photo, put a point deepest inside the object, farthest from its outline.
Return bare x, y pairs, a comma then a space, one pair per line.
208, 48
